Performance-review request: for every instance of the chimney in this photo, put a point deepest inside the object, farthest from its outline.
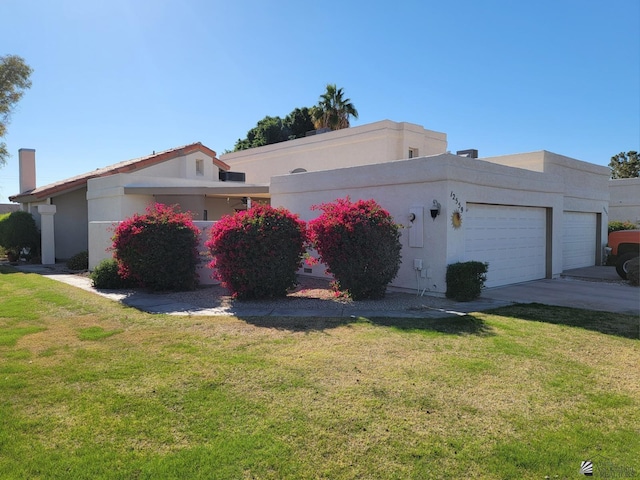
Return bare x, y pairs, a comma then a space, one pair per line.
27, 163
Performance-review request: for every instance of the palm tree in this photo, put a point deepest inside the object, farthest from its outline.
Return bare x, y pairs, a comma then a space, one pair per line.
332, 110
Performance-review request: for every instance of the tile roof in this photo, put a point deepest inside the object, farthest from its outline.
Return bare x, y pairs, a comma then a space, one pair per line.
80, 181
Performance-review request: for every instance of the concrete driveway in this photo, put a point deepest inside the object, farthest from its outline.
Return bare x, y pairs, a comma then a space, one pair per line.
591, 288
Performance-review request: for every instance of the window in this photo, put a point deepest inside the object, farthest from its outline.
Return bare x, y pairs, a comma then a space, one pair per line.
200, 167
413, 152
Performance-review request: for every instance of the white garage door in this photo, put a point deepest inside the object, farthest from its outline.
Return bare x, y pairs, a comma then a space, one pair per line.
578, 240
511, 239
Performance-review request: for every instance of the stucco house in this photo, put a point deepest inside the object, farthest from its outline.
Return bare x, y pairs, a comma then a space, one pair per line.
78, 213
8, 208
624, 202
529, 215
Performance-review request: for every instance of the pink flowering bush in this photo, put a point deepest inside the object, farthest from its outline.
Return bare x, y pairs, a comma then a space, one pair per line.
256, 253
158, 250
359, 243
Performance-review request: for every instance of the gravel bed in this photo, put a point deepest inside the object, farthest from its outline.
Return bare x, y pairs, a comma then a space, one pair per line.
311, 293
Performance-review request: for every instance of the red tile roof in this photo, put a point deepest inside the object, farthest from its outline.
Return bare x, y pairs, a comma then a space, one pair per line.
80, 181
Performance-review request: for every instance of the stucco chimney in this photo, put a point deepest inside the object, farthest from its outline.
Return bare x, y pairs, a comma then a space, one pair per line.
27, 163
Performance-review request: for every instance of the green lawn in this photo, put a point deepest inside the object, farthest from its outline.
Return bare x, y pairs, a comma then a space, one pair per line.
92, 389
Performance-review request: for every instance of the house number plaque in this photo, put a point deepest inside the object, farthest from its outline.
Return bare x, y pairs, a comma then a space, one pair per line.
456, 216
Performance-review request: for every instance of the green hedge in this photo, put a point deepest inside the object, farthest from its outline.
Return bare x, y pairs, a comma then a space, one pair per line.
80, 261
106, 276
18, 232
465, 280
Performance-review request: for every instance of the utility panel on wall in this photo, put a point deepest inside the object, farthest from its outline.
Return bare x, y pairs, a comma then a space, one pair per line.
416, 229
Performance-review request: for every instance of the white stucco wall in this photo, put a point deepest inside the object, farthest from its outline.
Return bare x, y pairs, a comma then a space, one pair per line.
401, 186
373, 143
107, 201
182, 167
585, 185
624, 201
100, 243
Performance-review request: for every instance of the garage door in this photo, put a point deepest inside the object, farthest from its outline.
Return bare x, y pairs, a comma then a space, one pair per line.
511, 239
578, 240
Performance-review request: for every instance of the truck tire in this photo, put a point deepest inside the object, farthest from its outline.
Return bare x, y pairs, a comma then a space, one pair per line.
621, 264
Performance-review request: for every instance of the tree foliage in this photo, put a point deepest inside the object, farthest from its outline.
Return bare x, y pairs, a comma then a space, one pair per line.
625, 165
333, 110
14, 80
271, 130
299, 122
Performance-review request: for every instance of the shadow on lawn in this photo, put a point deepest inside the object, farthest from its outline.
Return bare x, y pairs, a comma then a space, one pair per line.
620, 325
462, 325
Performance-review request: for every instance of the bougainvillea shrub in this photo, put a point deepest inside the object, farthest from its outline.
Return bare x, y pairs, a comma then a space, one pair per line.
256, 253
360, 244
159, 249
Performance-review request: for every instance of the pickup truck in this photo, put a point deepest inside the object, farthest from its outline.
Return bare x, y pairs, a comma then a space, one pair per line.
624, 245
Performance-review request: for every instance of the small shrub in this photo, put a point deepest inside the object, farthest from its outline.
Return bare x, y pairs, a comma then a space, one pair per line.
106, 275
360, 244
465, 280
256, 253
158, 250
18, 233
80, 261
616, 225
633, 271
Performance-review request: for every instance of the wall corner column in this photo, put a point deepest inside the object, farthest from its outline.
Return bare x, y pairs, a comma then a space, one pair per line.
47, 232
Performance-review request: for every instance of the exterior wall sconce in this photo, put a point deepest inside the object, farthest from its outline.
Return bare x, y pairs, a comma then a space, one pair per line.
412, 217
435, 209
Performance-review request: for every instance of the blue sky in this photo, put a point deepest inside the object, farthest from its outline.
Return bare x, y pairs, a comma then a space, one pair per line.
118, 79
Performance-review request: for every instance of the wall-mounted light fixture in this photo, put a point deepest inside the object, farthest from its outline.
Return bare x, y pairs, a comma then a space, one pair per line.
412, 217
435, 209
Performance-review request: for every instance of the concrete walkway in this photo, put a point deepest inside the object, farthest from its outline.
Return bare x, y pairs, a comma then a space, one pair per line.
592, 288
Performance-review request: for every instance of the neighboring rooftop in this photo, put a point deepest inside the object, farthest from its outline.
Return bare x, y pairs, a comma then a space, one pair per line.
80, 181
